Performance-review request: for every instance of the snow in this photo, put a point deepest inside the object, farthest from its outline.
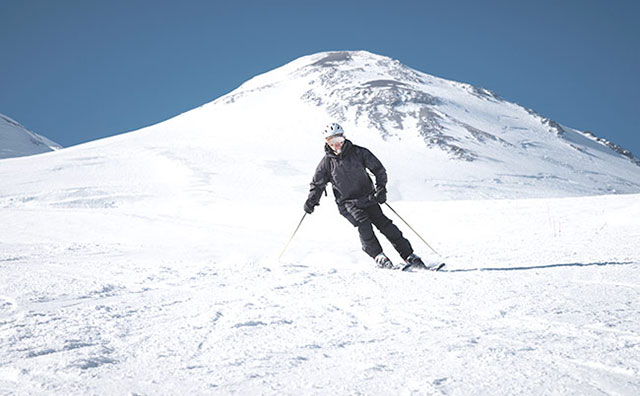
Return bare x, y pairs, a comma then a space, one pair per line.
147, 263
541, 296
17, 141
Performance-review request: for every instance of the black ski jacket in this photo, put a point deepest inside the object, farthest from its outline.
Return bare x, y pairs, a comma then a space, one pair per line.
347, 172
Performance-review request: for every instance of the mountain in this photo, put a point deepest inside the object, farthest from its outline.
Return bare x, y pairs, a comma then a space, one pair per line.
18, 141
460, 140
438, 139
148, 263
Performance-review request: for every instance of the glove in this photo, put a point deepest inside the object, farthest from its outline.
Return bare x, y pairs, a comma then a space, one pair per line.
380, 196
308, 207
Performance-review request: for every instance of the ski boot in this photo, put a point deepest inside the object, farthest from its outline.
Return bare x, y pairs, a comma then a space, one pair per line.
415, 262
382, 261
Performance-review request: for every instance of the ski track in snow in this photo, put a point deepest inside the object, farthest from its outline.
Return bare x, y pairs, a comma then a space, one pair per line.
553, 314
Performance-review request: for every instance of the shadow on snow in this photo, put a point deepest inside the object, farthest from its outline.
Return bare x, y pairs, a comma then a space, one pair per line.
534, 267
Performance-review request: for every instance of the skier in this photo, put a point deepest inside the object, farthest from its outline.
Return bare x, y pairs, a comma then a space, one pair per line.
345, 166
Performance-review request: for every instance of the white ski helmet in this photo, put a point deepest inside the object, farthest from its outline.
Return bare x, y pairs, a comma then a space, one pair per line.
332, 130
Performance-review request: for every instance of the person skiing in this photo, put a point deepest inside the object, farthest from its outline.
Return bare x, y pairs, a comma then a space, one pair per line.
345, 167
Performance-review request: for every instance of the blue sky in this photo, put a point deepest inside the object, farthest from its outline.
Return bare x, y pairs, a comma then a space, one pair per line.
77, 71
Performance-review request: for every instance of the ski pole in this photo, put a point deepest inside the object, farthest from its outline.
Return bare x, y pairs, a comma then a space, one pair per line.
294, 234
416, 232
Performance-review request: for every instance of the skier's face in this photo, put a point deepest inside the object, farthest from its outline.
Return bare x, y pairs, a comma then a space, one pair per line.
336, 143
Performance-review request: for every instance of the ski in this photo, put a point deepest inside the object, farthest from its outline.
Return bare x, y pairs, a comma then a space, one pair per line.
421, 266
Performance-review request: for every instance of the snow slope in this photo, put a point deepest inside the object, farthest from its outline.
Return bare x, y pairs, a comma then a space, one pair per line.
146, 263
17, 141
438, 139
541, 297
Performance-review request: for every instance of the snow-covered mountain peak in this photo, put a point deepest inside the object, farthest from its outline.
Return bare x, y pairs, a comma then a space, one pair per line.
438, 139
18, 141
333, 69
381, 94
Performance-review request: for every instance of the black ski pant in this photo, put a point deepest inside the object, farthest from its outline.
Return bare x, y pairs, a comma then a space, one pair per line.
371, 215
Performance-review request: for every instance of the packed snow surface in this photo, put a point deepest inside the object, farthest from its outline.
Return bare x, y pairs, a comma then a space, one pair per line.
541, 297
147, 263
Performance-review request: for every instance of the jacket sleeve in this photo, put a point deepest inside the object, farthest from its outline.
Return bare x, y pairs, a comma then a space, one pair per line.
318, 183
375, 166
